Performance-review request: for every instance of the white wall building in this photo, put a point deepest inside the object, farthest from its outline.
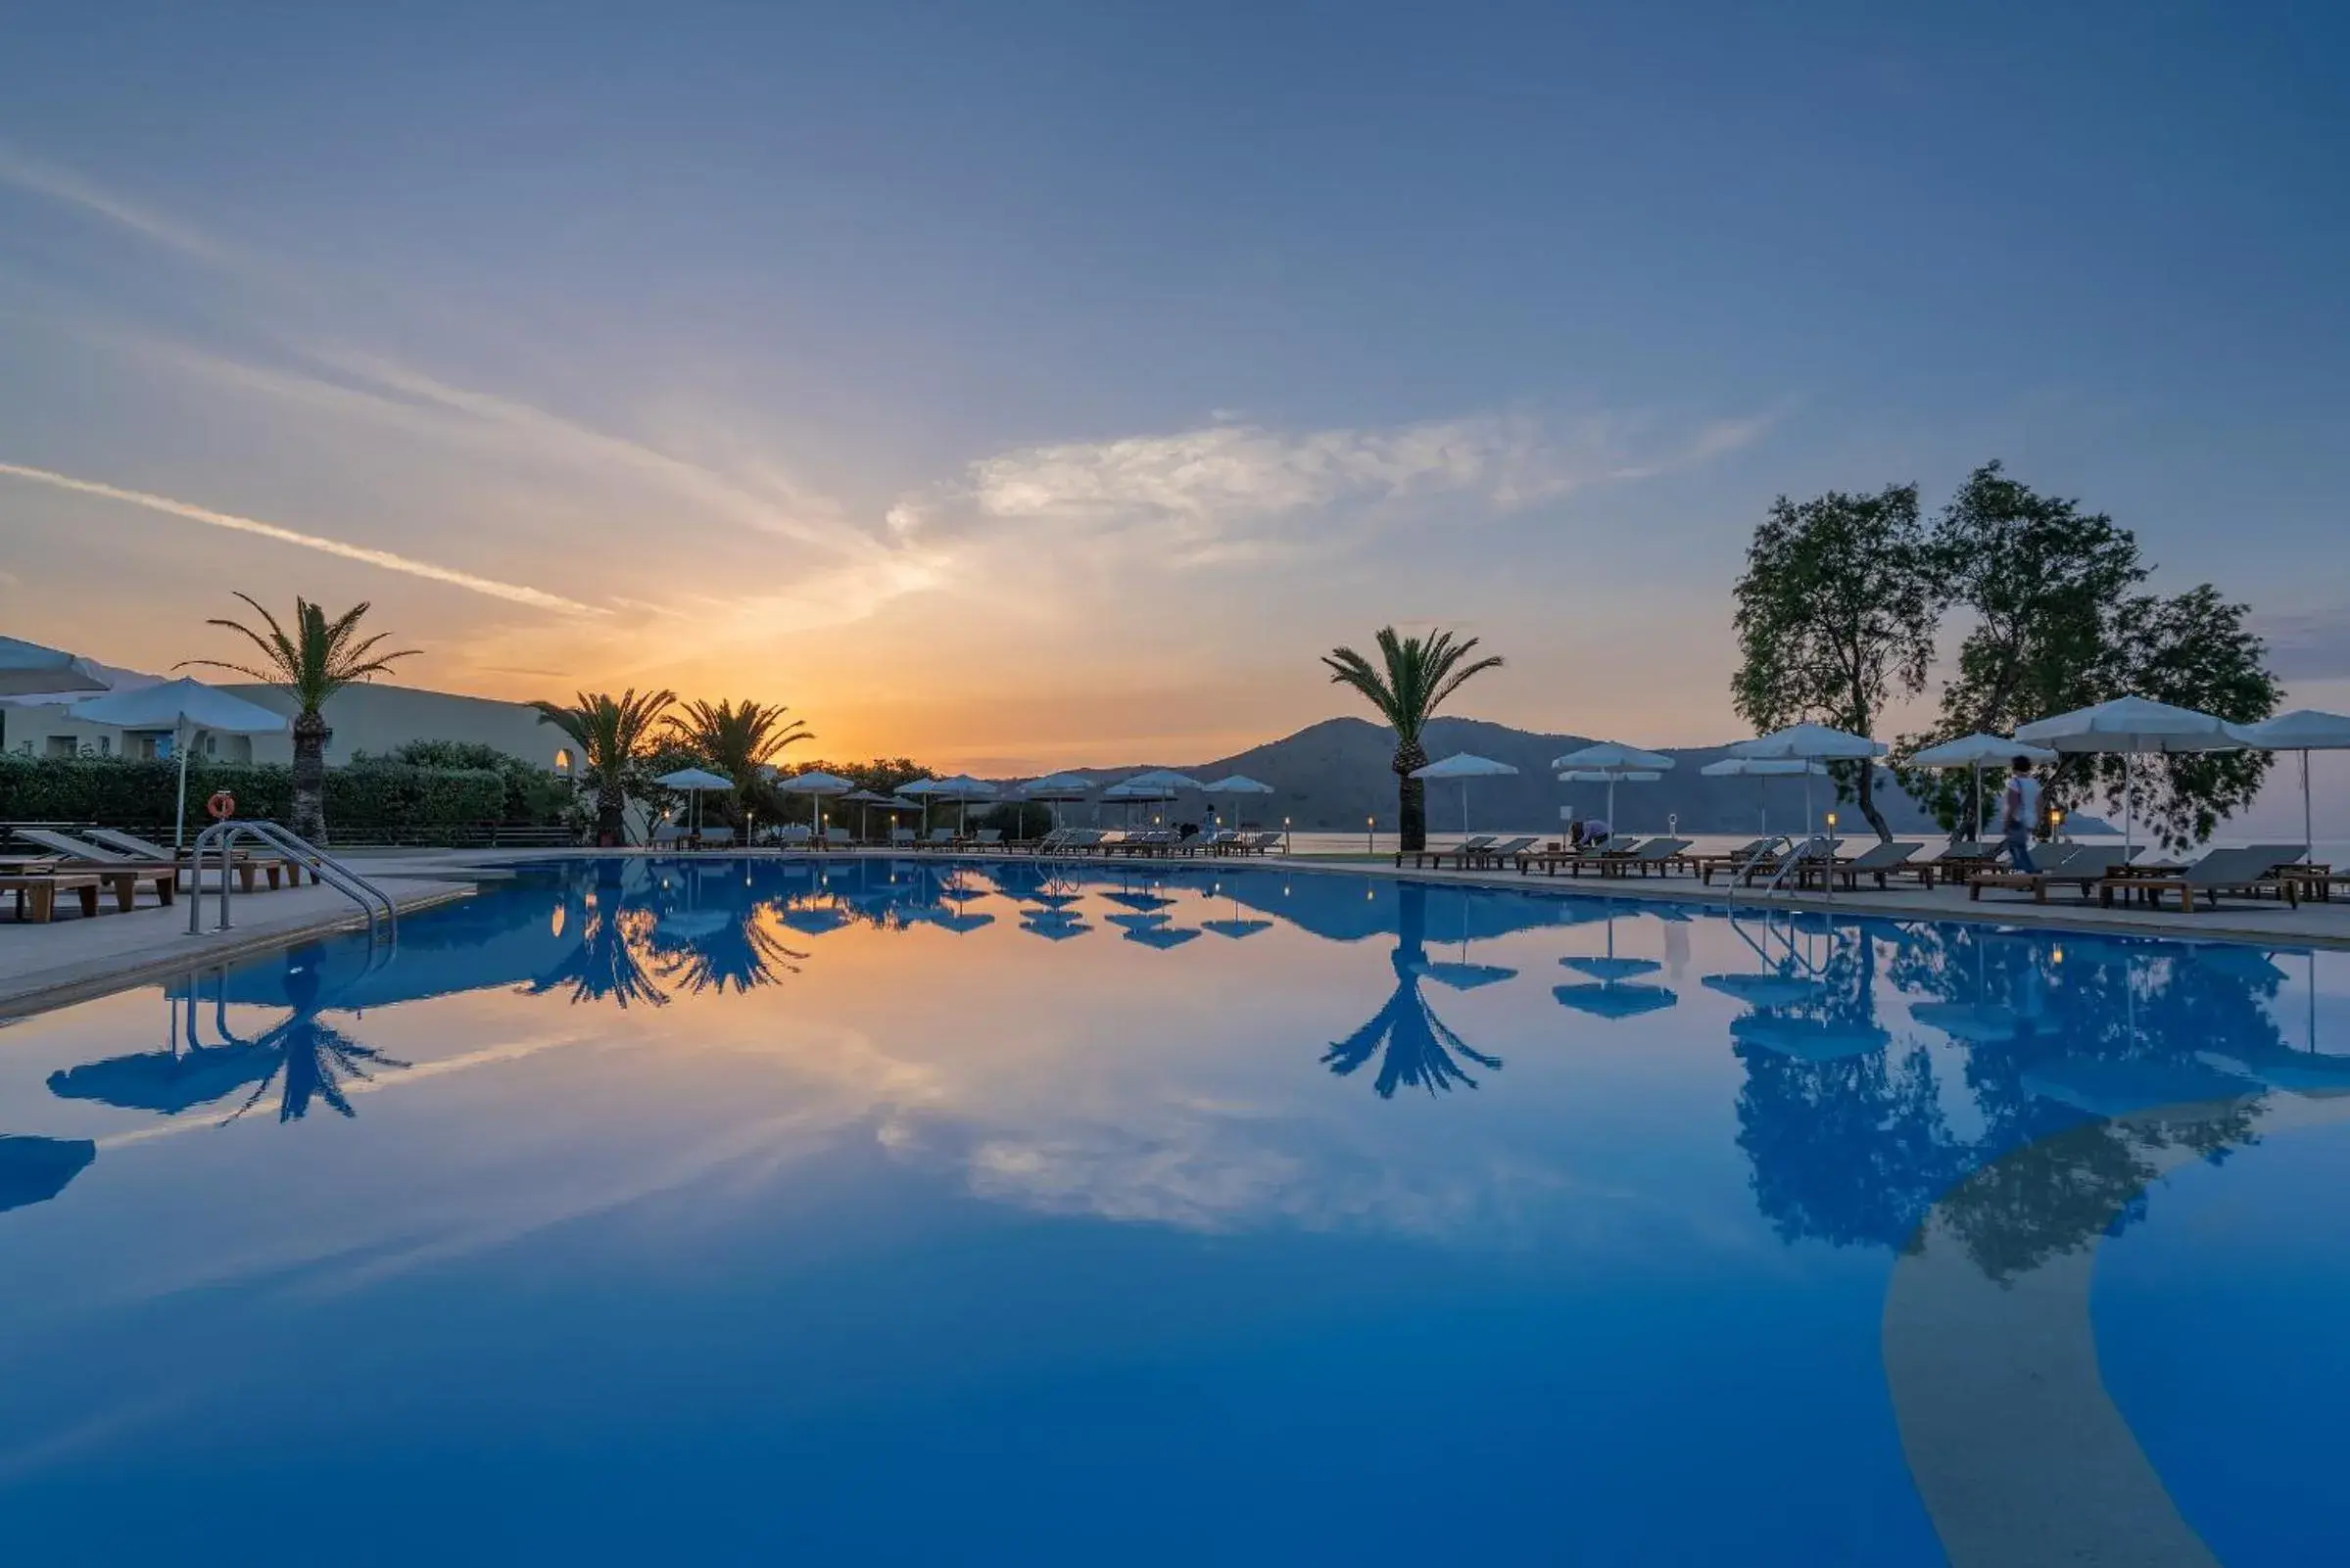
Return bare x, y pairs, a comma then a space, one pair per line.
371, 717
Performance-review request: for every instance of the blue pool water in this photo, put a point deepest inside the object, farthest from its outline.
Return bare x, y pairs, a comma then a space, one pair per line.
914, 1212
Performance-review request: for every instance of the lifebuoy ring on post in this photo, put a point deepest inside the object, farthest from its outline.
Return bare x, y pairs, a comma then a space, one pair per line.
223, 805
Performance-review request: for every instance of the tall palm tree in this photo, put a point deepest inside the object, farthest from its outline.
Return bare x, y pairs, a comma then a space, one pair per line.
738, 742
613, 733
319, 659
1419, 674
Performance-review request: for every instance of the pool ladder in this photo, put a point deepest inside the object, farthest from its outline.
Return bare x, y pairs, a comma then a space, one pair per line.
298, 851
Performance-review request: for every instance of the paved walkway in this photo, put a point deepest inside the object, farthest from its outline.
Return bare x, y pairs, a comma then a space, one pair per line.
2267, 921
73, 958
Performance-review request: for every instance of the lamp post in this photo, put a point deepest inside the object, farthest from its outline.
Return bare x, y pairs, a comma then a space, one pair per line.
1284, 835
1370, 846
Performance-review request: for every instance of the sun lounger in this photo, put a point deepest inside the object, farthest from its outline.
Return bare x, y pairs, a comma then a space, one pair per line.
1658, 855
1877, 861
1729, 861
838, 838
1492, 855
79, 855
36, 892
122, 882
1770, 862
901, 838
1428, 855
2248, 873
987, 839
1619, 856
146, 849
2081, 866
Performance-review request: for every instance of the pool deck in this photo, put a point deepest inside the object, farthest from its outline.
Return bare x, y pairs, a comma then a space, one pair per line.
73, 958
70, 960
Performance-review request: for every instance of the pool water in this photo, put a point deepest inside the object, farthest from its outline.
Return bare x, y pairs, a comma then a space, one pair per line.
919, 1212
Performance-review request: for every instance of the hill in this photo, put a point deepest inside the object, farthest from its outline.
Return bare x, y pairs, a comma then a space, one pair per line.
1329, 777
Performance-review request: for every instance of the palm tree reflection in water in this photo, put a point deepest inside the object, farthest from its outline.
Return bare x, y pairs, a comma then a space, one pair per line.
608, 962
316, 1058
744, 953
1415, 1046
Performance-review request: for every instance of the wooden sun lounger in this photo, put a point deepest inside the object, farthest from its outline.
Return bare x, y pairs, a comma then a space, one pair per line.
70, 853
2081, 866
1877, 861
123, 882
1731, 861
36, 894
1426, 856
2249, 873
1770, 862
1490, 855
149, 852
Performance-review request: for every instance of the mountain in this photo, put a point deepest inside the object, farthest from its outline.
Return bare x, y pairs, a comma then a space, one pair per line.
1329, 777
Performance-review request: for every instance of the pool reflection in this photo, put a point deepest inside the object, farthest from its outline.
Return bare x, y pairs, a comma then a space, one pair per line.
1015, 1202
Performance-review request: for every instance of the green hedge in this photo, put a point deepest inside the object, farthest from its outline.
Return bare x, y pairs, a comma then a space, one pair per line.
367, 798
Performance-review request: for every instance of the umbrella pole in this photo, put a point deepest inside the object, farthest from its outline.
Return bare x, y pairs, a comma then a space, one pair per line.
1612, 805
180, 817
1975, 828
2309, 841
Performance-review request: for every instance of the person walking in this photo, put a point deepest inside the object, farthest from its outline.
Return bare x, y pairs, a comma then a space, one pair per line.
2019, 815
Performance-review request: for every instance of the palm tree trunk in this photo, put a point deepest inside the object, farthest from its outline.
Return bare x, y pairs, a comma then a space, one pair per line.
310, 776
1410, 797
611, 806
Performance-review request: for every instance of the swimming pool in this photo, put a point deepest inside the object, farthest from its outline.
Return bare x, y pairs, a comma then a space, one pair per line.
920, 1212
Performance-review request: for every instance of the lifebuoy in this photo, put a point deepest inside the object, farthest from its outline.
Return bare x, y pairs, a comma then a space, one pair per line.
223, 805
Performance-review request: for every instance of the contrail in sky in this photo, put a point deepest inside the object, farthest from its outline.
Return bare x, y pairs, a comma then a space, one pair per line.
517, 592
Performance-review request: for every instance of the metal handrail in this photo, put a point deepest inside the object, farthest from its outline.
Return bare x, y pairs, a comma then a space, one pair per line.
1740, 870
1798, 857
299, 852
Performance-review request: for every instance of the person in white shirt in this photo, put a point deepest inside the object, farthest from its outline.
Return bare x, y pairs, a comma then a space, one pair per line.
2019, 815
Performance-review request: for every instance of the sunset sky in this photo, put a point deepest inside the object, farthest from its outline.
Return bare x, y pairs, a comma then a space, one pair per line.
1027, 385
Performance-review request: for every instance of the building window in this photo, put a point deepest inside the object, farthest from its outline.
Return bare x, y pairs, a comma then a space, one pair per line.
106, 746
61, 745
211, 745
562, 759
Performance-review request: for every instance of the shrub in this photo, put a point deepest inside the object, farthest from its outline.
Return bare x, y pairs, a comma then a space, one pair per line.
534, 796
370, 797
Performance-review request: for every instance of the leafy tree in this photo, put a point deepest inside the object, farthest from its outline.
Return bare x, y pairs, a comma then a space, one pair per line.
2061, 621
2194, 650
1413, 676
1835, 613
319, 659
614, 736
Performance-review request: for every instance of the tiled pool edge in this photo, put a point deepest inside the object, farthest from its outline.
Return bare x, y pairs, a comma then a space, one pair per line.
64, 984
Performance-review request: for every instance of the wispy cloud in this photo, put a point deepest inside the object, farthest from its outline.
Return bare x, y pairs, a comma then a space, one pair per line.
1226, 491
58, 185
514, 593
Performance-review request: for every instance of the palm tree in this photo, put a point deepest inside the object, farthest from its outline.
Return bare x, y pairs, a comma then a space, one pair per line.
319, 659
738, 742
1420, 673
613, 733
